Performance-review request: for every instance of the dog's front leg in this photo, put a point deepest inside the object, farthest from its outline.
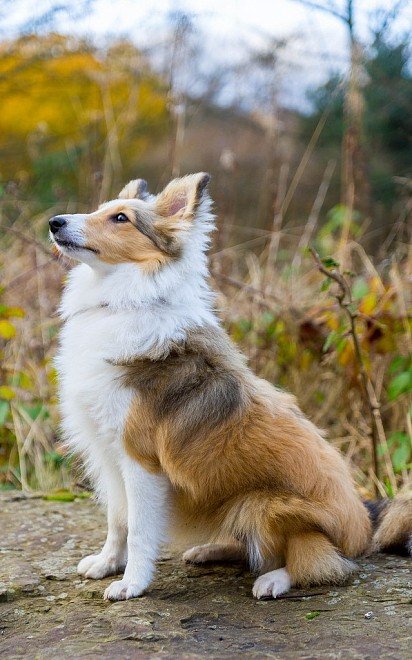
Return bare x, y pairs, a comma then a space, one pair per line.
147, 504
110, 488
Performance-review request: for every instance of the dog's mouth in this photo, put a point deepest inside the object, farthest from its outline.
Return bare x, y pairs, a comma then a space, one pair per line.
74, 247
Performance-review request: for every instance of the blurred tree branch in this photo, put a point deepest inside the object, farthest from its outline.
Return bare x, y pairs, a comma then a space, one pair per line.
384, 18
355, 183
48, 11
329, 8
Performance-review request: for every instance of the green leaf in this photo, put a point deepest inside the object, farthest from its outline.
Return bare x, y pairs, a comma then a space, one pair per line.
341, 344
36, 411
381, 451
331, 339
399, 362
360, 289
398, 437
326, 284
60, 496
403, 449
353, 308
53, 458
267, 318
84, 495
330, 262
312, 615
400, 384
4, 411
319, 396
245, 325
401, 457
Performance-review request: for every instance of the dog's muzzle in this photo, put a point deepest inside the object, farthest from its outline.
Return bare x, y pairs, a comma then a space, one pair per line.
57, 223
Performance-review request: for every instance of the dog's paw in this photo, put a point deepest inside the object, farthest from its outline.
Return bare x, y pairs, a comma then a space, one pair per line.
123, 590
272, 584
200, 554
86, 563
98, 566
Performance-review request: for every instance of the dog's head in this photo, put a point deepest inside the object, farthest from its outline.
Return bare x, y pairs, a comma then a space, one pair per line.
137, 227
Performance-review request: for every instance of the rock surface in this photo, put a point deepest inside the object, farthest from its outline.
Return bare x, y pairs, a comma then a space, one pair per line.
47, 611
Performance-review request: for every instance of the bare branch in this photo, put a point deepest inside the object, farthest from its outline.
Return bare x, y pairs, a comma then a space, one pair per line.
30, 240
251, 290
385, 18
378, 436
328, 9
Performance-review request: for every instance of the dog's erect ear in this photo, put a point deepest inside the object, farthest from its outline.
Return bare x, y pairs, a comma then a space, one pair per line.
181, 197
136, 189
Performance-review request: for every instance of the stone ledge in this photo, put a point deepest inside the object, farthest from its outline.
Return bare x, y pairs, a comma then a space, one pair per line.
48, 611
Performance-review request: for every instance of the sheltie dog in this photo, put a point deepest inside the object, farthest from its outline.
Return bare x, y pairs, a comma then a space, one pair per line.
176, 432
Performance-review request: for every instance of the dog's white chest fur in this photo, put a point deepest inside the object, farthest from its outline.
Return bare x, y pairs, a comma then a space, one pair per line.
90, 384
105, 322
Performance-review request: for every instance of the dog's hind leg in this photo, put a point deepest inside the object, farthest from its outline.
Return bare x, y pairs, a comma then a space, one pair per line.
214, 552
310, 559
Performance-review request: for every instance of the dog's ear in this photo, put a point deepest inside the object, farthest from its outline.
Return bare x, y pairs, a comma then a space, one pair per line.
181, 197
136, 189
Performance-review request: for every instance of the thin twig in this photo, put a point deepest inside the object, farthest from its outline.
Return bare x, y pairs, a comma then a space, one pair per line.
314, 214
309, 150
30, 240
327, 9
251, 290
378, 436
21, 279
277, 217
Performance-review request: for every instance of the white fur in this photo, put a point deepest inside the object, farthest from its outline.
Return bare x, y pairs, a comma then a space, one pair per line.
115, 313
272, 584
147, 524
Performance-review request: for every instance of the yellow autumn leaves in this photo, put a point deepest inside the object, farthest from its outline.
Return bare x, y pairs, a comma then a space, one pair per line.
60, 95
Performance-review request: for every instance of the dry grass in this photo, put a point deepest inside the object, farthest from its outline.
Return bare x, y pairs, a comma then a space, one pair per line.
271, 301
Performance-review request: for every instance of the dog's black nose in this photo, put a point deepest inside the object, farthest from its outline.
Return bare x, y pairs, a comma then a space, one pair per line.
57, 223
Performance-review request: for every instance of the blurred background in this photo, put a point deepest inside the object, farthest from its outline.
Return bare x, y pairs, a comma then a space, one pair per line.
302, 113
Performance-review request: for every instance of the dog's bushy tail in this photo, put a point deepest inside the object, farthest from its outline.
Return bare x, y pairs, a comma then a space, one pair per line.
392, 524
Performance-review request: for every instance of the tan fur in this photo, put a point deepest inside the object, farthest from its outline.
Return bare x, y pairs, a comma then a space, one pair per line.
121, 242
151, 237
214, 552
394, 526
312, 559
260, 473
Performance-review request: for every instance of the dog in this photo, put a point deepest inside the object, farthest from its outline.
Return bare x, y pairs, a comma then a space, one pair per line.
176, 432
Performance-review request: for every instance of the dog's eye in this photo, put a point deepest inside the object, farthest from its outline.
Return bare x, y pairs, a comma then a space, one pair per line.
120, 217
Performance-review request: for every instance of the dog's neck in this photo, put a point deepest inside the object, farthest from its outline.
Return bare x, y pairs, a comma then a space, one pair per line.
175, 290
141, 321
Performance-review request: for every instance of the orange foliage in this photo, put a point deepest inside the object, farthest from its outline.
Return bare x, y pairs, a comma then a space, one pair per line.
60, 96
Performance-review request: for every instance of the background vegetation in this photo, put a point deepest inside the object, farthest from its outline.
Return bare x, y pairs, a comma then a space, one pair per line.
79, 119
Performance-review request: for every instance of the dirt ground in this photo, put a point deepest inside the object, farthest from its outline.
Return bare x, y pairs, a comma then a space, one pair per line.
48, 611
